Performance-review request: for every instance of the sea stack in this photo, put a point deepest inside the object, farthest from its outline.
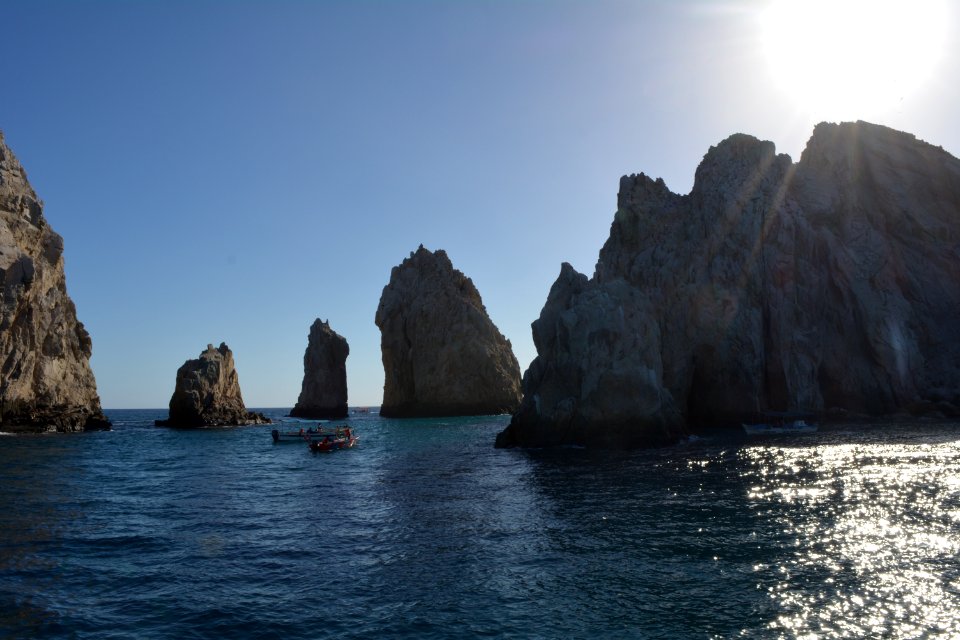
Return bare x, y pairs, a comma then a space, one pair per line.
207, 393
442, 355
324, 391
831, 285
46, 383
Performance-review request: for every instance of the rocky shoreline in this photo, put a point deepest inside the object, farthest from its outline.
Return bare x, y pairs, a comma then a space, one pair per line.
830, 285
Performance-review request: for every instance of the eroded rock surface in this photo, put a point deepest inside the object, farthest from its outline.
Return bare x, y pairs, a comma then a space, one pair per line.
46, 383
442, 355
829, 285
324, 391
207, 393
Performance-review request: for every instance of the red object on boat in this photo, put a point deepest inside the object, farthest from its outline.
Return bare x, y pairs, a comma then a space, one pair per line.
333, 443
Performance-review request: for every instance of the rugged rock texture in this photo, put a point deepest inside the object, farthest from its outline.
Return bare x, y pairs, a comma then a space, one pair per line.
45, 379
830, 285
324, 392
442, 356
208, 393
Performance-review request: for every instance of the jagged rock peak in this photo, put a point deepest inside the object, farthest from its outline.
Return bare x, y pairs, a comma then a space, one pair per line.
46, 383
828, 285
207, 393
442, 355
324, 391
432, 269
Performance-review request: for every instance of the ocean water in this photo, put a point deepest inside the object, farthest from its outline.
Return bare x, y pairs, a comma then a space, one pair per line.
423, 530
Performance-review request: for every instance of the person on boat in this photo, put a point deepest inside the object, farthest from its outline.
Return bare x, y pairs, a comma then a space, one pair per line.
346, 432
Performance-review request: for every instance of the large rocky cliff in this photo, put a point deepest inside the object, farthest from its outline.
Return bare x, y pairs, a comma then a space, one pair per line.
442, 355
207, 393
830, 285
324, 390
46, 383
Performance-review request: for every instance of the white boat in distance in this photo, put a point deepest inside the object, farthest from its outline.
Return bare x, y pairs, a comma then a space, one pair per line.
781, 422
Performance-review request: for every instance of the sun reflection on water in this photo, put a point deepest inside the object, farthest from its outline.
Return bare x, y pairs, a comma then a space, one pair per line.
879, 559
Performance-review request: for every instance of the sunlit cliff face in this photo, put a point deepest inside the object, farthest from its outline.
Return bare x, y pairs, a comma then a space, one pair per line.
851, 59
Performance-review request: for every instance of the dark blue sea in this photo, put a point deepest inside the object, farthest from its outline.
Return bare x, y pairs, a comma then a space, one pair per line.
424, 530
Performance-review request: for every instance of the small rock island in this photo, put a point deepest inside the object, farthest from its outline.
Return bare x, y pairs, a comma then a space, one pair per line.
46, 383
831, 285
207, 393
442, 355
324, 391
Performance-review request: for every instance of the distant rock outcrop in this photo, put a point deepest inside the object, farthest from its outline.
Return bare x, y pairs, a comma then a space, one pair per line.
442, 356
324, 392
830, 285
45, 379
207, 393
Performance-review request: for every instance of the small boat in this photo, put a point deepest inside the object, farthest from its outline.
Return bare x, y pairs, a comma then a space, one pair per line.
303, 435
781, 422
333, 443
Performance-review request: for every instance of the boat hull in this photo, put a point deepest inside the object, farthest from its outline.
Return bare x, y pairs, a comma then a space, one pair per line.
295, 436
333, 444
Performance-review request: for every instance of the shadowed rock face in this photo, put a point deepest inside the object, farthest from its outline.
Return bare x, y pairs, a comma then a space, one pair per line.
442, 356
207, 393
830, 285
324, 392
45, 379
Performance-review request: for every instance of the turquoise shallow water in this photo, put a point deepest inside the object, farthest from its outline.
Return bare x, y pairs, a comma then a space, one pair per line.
425, 531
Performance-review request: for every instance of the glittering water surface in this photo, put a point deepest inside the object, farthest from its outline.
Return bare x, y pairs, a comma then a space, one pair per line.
425, 531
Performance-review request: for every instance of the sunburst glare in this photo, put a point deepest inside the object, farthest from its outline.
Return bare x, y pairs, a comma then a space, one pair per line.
850, 59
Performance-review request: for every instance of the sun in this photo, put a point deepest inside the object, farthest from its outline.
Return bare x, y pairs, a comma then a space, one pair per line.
850, 59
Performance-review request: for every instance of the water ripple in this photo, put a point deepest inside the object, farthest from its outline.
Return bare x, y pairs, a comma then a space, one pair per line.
425, 531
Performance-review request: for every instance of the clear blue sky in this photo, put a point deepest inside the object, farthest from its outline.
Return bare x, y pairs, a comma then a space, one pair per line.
230, 171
